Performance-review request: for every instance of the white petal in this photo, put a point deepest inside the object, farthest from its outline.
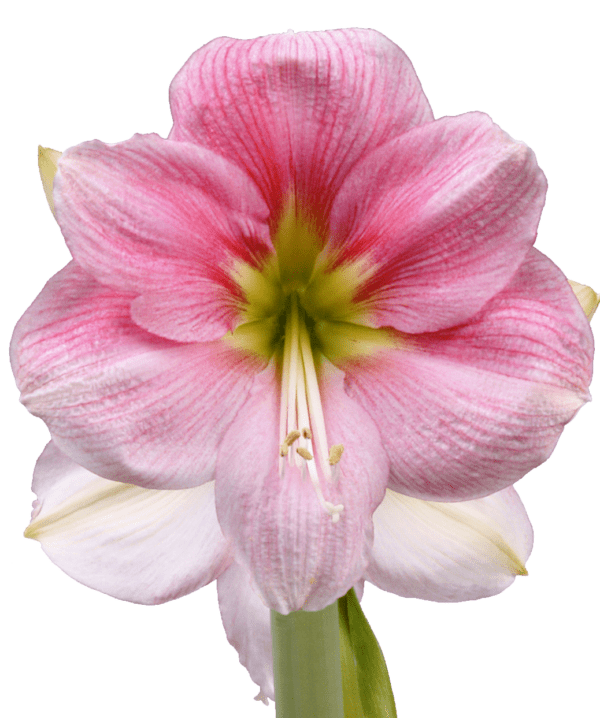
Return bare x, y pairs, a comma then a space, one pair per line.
449, 551
142, 545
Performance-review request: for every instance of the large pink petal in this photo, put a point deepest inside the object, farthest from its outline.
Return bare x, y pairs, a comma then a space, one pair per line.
297, 110
449, 551
468, 411
297, 556
140, 545
445, 214
125, 404
164, 219
247, 623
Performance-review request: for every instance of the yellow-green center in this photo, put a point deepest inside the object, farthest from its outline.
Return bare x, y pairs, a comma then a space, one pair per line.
303, 276
299, 307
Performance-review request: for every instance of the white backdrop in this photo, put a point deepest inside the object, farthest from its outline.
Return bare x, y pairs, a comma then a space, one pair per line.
76, 71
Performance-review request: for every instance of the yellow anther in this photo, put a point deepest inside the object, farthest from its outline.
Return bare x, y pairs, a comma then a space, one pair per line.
304, 453
284, 449
335, 453
307, 433
292, 436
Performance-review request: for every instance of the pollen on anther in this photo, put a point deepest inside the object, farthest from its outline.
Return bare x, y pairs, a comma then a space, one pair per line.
292, 436
284, 449
304, 453
307, 433
335, 453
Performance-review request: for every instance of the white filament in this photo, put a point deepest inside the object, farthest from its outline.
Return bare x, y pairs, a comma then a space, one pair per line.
301, 413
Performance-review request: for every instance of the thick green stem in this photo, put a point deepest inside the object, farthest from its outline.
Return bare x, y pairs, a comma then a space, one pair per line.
306, 662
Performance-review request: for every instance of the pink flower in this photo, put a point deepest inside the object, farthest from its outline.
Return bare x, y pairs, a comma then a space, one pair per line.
150, 546
309, 265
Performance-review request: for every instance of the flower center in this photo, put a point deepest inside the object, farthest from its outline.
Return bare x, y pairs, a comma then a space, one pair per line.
299, 307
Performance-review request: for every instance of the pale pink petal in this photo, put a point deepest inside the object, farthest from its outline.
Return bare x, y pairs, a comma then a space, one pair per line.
139, 545
247, 623
297, 556
444, 214
159, 218
125, 404
449, 551
468, 411
297, 110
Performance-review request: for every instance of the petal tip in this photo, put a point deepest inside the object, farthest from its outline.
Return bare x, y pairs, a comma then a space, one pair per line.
48, 165
587, 298
31, 532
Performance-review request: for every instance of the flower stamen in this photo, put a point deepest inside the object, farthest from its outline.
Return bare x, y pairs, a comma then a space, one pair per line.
313, 394
304, 453
334, 510
288, 441
292, 327
335, 454
292, 436
301, 407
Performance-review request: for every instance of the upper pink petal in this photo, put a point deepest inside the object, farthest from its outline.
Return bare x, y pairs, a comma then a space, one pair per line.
445, 214
125, 404
297, 110
449, 551
139, 545
298, 558
167, 220
468, 411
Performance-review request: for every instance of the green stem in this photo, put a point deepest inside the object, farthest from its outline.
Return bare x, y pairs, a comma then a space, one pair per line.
306, 663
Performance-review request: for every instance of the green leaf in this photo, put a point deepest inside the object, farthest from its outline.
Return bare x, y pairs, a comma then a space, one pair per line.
365, 678
352, 701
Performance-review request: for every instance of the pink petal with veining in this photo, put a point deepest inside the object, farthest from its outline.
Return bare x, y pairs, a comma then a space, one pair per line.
124, 403
444, 214
192, 309
162, 219
297, 556
297, 110
468, 411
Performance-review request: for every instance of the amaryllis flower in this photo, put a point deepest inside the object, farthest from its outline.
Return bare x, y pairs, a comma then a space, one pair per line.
150, 546
311, 292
